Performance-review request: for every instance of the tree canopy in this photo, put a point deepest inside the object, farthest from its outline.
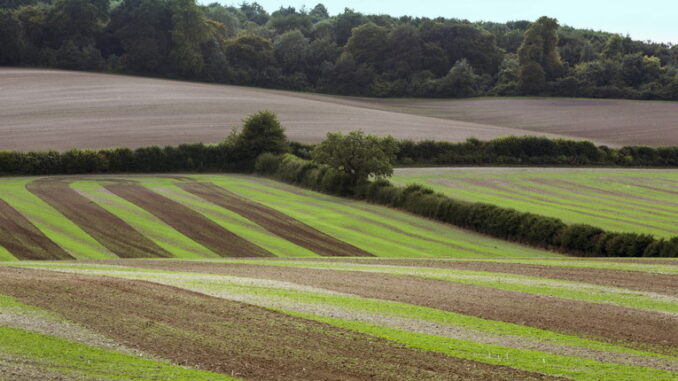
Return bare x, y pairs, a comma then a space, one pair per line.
357, 155
348, 53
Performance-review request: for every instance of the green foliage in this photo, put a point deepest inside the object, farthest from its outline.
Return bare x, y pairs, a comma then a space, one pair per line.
261, 133
349, 53
357, 155
493, 220
539, 56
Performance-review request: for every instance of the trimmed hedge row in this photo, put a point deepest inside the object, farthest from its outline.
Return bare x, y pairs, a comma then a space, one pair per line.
185, 157
531, 150
509, 224
523, 150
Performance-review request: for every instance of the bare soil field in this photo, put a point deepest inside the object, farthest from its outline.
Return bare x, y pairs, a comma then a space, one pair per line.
48, 109
611, 122
233, 338
336, 319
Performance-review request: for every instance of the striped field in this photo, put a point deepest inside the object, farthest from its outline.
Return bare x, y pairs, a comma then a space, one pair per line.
341, 318
211, 216
625, 200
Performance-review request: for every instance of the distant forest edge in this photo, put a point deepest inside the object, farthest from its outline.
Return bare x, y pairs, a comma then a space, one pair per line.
349, 53
231, 156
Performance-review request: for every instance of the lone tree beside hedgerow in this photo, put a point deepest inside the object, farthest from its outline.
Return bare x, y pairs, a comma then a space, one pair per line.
261, 133
357, 155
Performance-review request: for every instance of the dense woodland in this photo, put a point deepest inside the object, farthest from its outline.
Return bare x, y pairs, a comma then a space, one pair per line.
349, 53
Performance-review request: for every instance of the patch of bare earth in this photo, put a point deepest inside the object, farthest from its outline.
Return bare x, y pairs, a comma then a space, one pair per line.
51, 109
189, 222
233, 338
630, 327
274, 221
21, 238
613, 122
112, 232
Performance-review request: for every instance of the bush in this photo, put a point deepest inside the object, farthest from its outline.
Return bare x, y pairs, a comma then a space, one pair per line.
267, 163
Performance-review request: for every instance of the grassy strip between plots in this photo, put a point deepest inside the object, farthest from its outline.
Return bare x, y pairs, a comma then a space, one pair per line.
53, 224
5, 255
574, 368
147, 224
225, 286
229, 220
73, 360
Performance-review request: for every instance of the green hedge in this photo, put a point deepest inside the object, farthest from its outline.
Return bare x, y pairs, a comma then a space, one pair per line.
509, 224
184, 158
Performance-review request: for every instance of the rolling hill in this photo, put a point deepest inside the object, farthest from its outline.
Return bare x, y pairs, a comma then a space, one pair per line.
50, 109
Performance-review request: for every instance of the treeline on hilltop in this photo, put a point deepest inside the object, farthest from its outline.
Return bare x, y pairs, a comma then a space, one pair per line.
238, 155
349, 53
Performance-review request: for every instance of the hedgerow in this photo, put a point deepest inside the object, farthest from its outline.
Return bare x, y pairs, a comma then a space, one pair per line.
505, 223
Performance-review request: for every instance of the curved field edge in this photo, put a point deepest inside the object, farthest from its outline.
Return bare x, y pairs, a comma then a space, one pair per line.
549, 363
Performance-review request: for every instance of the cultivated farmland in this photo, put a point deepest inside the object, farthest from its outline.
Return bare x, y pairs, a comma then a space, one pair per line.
211, 216
86, 110
342, 318
626, 200
608, 121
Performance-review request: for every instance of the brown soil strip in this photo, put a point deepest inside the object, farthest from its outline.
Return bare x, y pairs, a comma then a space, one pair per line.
189, 222
635, 328
21, 238
632, 280
112, 232
233, 338
274, 221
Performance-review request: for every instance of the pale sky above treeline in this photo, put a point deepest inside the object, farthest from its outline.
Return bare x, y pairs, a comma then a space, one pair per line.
643, 20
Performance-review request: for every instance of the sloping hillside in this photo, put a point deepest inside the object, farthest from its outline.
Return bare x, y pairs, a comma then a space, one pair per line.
48, 109
212, 216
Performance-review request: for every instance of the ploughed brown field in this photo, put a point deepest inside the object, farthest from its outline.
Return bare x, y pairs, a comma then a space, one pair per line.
349, 318
49, 109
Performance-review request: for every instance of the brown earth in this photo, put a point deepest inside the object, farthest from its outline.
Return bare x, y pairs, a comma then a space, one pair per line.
635, 328
233, 338
189, 222
632, 280
274, 221
112, 232
21, 238
610, 121
51, 109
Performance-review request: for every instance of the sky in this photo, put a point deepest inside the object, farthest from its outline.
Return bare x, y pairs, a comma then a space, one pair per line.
643, 20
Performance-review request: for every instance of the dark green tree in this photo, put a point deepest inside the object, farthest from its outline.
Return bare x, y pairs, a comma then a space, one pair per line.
261, 132
539, 56
357, 155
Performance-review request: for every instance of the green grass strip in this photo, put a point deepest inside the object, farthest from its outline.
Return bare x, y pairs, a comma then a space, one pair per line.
5, 255
574, 368
229, 220
74, 360
145, 223
53, 224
